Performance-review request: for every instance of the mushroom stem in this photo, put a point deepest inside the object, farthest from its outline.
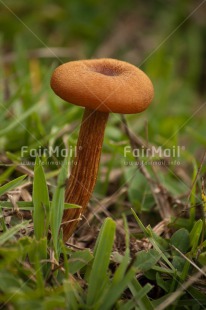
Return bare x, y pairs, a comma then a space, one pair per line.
85, 168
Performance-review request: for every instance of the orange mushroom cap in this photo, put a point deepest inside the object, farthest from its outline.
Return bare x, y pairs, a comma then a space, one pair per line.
106, 85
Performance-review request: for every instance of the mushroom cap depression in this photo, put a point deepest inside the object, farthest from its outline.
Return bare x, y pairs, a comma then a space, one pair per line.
106, 85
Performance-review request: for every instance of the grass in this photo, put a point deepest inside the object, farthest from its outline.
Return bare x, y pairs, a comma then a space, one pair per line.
143, 242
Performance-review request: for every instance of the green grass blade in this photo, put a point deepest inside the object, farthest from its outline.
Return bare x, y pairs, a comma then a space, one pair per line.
57, 207
40, 202
120, 272
10, 283
127, 236
6, 174
73, 292
146, 260
11, 185
195, 235
143, 302
193, 192
11, 232
78, 260
38, 259
134, 301
2, 221
18, 121
116, 289
153, 239
28, 205
71, 206
98, 274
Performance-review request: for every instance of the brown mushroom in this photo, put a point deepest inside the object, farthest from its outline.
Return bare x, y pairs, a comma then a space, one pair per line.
101, 86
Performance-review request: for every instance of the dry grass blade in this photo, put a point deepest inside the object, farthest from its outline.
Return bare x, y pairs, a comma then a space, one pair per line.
189, 260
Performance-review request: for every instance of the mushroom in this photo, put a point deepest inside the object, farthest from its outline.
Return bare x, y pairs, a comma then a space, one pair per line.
101, 86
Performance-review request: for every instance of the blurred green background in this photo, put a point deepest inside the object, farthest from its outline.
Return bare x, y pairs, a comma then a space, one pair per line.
166, 39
